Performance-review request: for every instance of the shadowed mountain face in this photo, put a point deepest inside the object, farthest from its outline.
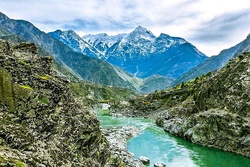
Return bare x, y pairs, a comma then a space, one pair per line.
139, 52
215, 62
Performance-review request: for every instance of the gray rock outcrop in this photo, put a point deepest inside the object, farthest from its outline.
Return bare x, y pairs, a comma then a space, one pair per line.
118, 138
40, 122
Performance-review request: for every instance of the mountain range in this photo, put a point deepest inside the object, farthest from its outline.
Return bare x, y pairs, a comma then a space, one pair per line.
82, 66
139, 52
45, 119
137, 60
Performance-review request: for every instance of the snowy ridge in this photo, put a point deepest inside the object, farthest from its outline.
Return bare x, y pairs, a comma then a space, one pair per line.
139, 33
103, 37
76, 43
139, 52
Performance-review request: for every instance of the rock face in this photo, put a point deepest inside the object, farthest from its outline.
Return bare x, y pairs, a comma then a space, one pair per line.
217, 113
212, 110
40, 122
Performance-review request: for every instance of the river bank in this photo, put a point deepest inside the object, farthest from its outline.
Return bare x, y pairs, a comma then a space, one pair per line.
161, 147
117, 138
212, 110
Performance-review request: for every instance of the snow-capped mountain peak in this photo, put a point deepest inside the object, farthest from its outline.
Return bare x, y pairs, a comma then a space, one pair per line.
103, 38
141, 32
75, 42
143, 54
165, 40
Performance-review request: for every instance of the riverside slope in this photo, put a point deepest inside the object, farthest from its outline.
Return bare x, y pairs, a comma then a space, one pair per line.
40, 122
212, 110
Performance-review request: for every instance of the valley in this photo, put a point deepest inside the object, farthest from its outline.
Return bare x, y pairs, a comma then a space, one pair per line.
164, 99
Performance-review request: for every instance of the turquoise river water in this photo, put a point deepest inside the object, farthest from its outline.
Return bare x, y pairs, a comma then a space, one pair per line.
159, 146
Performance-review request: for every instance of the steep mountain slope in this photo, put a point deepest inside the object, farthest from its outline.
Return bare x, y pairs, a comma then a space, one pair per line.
212, 110
90, 95
75, 42
245, 46
215, 62
84, 67
143, 54
7, 35
40, 122
155, 82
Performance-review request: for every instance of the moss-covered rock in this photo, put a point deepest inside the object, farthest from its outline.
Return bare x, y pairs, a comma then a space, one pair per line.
40, 121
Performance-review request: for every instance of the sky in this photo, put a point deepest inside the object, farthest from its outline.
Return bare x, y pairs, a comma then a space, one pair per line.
208, 24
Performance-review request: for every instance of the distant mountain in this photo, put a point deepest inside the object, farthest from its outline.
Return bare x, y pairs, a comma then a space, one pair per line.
155, 82
215, 62
7, 35
4, 32
75, 42
103, 41
143, 54
84, 67
244, 47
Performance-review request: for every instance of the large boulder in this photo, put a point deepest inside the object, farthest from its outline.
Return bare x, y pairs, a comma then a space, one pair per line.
144, 160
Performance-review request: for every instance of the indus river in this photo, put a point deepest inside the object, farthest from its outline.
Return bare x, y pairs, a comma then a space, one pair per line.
160, 146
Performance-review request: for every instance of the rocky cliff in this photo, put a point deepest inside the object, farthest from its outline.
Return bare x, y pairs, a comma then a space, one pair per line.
40, 122
217, 112
212, 110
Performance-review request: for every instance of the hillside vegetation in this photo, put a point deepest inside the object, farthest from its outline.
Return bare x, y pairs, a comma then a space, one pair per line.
212, 110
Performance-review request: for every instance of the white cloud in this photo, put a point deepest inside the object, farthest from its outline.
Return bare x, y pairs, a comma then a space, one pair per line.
206, 24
